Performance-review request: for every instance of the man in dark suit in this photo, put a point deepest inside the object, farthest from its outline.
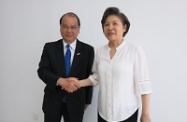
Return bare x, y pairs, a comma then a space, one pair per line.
52, 71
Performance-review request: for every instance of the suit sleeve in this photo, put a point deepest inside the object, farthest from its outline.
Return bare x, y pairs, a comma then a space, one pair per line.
89, 89
44, 70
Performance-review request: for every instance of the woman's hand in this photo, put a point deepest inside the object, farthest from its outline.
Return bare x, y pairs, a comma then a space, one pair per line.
73, 85
145, 118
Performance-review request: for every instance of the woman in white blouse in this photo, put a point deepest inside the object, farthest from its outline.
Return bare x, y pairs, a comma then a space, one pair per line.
121, 70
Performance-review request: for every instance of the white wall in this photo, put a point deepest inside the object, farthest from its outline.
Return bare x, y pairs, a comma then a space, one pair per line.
25, 25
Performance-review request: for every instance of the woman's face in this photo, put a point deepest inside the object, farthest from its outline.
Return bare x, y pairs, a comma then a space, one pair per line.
114, 28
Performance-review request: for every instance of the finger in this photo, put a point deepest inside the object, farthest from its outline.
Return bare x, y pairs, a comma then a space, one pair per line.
69, 79
73, 88
73, 79
76, 84
67, 89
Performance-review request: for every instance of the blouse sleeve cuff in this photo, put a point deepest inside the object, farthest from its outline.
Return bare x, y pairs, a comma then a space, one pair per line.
93, 79
144, 87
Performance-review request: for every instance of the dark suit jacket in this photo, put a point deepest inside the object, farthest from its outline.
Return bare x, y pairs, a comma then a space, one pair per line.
51, 68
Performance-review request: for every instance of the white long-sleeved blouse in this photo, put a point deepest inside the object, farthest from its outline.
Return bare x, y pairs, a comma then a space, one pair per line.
122, 79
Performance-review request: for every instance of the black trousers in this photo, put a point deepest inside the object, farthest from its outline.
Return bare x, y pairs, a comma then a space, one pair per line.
132, 118
57, 118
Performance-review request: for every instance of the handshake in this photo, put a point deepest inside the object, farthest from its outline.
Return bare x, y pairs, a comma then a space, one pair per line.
70, 84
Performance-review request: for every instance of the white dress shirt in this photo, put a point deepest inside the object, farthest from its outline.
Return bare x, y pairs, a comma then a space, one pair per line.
122, 79
72, 48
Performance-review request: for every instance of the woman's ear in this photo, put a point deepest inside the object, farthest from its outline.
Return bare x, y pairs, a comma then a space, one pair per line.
125, 28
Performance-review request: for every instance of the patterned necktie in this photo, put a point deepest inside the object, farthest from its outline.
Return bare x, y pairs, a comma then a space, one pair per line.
67, 60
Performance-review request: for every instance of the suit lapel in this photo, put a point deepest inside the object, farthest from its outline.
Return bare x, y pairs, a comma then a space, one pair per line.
60, 56
77, 56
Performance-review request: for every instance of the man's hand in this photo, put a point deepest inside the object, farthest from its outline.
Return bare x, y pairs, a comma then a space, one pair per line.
69, 84
74, 85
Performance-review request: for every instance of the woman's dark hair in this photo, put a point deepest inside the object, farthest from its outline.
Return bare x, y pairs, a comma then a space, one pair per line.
115, 11
73, 15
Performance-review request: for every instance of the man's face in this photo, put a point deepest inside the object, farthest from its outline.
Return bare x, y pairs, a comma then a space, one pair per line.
69, 28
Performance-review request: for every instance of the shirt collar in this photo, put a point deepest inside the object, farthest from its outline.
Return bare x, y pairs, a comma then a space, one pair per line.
119, 47
72, 45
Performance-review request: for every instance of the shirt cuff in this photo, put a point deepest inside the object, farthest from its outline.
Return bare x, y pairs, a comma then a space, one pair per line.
144, 87
93, 80
57, 82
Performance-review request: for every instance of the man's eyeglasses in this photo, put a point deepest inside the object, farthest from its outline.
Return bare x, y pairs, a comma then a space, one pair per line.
73, 27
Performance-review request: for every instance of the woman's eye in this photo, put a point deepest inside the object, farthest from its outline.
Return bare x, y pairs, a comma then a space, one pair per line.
106, 24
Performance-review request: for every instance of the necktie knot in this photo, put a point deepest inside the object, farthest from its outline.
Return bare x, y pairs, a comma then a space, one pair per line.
67, 46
